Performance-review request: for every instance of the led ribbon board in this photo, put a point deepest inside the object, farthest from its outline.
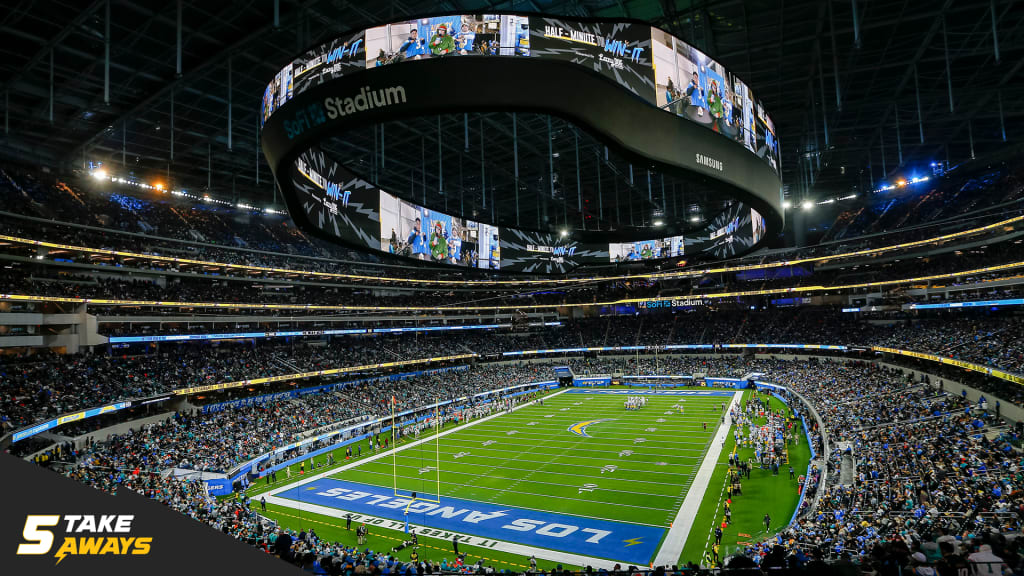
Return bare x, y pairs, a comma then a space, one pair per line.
608, 78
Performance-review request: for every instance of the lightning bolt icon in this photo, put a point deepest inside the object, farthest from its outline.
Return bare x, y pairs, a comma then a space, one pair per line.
632, 542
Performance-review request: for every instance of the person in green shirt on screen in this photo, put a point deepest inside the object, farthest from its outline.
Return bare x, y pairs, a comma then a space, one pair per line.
715, 107
441, 42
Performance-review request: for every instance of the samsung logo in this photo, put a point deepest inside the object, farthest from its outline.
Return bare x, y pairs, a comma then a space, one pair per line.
710, 162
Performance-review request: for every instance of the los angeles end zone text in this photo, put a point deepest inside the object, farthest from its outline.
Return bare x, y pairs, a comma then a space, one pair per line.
586, 536
337, 107
525, 479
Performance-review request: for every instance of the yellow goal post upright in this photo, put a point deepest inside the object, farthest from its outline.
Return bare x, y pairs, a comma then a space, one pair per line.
416, 496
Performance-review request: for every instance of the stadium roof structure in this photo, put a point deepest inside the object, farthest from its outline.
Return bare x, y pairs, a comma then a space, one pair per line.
857, 90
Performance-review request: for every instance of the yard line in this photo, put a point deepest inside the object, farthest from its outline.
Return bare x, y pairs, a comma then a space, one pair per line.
582, 476
573, 486
588, 466
679, 421
628, 415
561, 430
626, 437
529, 449
675, 540
539, 495
615, 451
561, 453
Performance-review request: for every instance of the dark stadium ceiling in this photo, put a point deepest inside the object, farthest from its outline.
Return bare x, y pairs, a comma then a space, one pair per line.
891, 60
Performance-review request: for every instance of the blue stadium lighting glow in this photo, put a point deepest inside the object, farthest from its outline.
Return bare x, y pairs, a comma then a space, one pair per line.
285, 334
970, 304
901, 184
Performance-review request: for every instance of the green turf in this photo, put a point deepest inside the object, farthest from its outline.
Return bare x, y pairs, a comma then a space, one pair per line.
535, 463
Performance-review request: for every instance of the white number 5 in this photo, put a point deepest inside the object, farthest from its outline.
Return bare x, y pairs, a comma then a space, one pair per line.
43, 539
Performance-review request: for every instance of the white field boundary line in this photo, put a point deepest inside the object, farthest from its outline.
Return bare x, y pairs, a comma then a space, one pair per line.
499, 491
618, 437
697, 452
470, 457
546, 424
555, 473
473, 458
680, 459
431, 438
675, 540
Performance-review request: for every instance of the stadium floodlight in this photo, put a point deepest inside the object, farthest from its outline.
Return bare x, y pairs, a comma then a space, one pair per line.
659, 223
694, 218
565, 233
100, 174
807, 205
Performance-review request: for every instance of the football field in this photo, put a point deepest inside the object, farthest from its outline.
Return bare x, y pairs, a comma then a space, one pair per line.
577, 479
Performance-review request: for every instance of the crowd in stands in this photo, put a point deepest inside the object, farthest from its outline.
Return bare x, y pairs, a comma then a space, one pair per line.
216, 440
45, 384
985, 189
49, 278
116, 208
40, 385
911, 469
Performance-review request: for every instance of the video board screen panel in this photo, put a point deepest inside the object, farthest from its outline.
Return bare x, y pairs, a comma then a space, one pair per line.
647, 249
530, 251
335, 201
758, 226
410, 230
651, 63
352, 210
728, 234
693, 86
329, 61
442, 36
619, 51
325, 62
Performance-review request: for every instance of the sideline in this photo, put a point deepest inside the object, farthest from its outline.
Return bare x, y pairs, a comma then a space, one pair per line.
679, 533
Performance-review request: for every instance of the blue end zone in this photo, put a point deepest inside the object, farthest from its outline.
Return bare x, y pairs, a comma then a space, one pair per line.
632, 543
653, 392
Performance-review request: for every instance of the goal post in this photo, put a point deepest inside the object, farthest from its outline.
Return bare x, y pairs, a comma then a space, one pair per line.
417, 488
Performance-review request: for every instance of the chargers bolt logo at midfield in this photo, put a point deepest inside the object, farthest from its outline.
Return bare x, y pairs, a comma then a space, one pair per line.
85, 535
580, 428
